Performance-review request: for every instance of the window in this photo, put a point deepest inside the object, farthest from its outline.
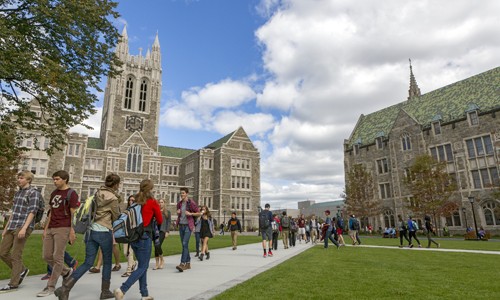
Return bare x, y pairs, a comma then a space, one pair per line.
174, 197
491, 213
73, 149
189, 168
389, 218
171, 170
356, 149
406, 142
380, 143
484, 178
189, 182
385, 190
437, 128
240, 182
207, 201
479, 146
382, 166
36, 166
93, 163
129, 87
473, 118
208, 163
142, 95
240, 203
442, 153
134, 159
240, 163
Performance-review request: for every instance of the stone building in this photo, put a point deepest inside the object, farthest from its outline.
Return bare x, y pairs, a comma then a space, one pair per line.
224, 175
457, 124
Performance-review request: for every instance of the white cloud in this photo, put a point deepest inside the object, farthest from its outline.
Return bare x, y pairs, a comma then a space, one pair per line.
93, 121
254, 124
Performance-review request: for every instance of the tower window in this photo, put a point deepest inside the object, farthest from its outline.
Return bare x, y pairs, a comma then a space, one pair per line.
143, 95
406, 142
134, 159
129, 87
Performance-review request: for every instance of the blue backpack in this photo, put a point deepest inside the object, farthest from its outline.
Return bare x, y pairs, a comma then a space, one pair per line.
129, 226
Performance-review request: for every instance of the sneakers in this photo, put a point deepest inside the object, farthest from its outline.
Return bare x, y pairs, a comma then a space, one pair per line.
147, 298
45, 277
234, 248
180, 268
265, 255
95, 270
419, 246
46, 292
8, 288
23, 275
187, 266
270, 254
411, 246
439, 245
118, 294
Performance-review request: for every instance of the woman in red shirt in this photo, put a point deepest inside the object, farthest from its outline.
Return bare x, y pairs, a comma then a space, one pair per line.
142, 248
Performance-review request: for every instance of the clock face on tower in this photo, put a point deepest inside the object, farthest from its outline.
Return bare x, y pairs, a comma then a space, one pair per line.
134, 123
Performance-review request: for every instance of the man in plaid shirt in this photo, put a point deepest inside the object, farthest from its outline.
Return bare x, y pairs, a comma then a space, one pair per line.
18, 229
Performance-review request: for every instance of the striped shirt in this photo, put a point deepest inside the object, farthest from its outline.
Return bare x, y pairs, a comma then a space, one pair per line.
25, 202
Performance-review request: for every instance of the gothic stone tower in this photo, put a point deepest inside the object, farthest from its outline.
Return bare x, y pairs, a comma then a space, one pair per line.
132, 99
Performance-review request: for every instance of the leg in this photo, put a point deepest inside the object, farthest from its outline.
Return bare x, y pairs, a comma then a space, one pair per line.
185, 235
17, 257
116, 254
91, 247
69, 260
58, 237
142, 250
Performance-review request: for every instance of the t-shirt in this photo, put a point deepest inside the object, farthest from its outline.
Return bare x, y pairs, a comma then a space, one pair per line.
302, 223
60, 214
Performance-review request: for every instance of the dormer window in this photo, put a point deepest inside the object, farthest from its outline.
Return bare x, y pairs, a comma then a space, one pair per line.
405, 142
473, 118
356, 149
380, 143
436, 126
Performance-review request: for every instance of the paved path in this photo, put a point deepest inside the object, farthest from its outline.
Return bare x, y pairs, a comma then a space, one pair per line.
225, 269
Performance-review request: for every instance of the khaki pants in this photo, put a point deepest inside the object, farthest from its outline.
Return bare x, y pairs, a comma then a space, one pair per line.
54, 246
234, 238
284, 235
14, 259
130, 257
313, 235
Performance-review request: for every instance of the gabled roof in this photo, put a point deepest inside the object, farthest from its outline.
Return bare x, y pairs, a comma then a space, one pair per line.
450, 102
95, 143
218, 143
174, 152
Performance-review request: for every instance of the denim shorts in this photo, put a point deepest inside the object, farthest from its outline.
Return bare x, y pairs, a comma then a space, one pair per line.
267, 234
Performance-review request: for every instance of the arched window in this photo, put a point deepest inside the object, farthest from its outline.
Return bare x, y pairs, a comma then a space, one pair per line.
491, 213
134, 159
389, 218
143, 95
129, 89
405, 142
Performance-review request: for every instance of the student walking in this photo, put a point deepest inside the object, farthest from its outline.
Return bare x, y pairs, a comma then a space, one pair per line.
313, 227
265, 219
197, 228
186, 211
428, 230
68, 260
412, 228
18, 229
353, 230
330, 229
403, 231
235, 228
127, 250
206, 231
163, 231
58, 231
285, 228
142, 247
99, 236
276, 231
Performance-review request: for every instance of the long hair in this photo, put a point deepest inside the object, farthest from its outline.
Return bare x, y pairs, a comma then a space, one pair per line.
112, 180
145, 189
207, 211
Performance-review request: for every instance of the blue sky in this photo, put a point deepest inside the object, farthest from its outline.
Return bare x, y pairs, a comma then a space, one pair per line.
298, 74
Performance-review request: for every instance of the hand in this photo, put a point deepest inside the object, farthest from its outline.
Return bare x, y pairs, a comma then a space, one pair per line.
72, 236
178, 211
44, 234
4, 231
22, 233
188, 213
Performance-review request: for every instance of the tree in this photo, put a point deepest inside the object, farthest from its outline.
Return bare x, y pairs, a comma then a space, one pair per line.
53, 53
431, 187
8, 170
359, 193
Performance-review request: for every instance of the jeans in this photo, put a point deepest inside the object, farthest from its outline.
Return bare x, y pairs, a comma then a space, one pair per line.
275, 240
330, 236
403, 233
185, 234
93, 241
413, 234
142, 249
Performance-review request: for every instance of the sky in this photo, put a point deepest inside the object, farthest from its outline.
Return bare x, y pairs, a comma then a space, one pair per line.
297, 74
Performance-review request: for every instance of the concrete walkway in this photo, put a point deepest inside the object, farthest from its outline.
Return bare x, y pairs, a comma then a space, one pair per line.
225, 269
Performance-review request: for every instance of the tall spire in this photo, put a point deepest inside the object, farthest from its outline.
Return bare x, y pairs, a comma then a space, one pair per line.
124, 32
157, 41
414, 90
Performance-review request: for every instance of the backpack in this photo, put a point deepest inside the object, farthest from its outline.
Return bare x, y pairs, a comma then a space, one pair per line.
340, 223
128, 227
415, 225
41, 209
295, 227
285, 222
264, 219
85, 214
275, 226
355, 224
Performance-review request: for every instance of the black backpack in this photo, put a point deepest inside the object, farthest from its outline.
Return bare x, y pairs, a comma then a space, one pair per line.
285, 222
264, 219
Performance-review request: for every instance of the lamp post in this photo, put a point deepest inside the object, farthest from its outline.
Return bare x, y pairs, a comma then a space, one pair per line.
224, 217
471, 200
243, 219
465, 218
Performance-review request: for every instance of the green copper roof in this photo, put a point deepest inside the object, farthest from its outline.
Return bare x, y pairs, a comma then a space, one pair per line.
218, 143
95, 143
450, 103
174, 152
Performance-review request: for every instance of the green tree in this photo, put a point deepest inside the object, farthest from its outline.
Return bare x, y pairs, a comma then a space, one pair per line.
53, 54
431, 187
359, 193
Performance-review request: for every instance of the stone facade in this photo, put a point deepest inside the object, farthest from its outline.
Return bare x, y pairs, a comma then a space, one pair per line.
458, 124
224, 175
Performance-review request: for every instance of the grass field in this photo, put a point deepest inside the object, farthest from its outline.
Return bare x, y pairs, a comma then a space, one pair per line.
32, 254
373, 273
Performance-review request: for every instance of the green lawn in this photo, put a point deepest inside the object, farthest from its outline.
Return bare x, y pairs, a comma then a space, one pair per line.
372, 273
32, 254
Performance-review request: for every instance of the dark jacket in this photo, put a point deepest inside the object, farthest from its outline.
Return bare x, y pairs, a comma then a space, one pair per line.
234, 224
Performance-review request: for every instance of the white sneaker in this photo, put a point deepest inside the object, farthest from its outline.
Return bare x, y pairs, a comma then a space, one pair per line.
147, 298
46, 292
